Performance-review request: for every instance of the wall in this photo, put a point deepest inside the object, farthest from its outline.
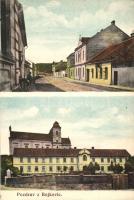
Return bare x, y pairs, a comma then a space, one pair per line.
101, 81
125, 76
47, 164
71, 182
80, 72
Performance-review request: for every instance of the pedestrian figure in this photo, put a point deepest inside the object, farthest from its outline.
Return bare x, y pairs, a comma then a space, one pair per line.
29, 78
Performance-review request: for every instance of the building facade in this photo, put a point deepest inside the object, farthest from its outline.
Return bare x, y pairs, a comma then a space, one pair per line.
81, 59
37, 140
13, 42
88, 47
114, 65
51, 154
71, 66
54, 161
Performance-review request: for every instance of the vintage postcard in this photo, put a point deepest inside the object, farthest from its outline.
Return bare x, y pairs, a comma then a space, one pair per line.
66, 45
65, 145
66, 99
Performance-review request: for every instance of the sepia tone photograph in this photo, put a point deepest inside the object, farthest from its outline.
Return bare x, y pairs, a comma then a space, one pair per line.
65, 45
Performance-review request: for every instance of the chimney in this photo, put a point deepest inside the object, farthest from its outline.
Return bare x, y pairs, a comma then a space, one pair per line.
132, 34
92, 147
113, 22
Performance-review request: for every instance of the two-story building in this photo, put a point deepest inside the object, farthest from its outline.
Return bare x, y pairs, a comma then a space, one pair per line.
88, 47
54, 161
12, 44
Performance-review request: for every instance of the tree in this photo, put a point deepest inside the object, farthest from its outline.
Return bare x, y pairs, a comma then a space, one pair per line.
129, 165
91, 168
117, 168
7, 163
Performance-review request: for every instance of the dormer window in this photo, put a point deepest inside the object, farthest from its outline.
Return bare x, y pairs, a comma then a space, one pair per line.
36, 146
26, 145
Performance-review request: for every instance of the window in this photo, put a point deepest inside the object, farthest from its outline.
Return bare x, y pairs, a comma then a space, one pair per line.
65, 168
58, 168
64, 159
50, 160
56, 141
28, 160
43, 160
92, 73
83, 71
29, 169
120, 159
100, 72
84, 158
43, 168
106, 73
26, 145
115, 160
93, 159
36, 159
36, 146
57, 160
96, 71
71, 168
36, 169
72, 160
57, 133
102, 159
21, 169
50, 169
83, 54
102, 168
108, 160
21, 159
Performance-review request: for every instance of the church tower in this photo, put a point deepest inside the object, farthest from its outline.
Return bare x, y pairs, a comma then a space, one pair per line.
55, 134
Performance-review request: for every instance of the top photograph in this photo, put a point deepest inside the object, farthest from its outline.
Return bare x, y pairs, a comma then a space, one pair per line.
66, 46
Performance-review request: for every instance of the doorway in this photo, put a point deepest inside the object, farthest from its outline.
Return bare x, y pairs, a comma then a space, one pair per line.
115, 77
87, 75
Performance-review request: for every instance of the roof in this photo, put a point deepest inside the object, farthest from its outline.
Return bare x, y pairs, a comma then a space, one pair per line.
65, 141
56, 125
125, 50
109, 153
69, 152
45, 152
29, 136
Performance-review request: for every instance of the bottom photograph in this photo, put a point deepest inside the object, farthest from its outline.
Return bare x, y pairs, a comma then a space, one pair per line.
67, 143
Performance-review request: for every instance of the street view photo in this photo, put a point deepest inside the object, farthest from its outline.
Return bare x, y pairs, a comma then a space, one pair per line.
66, 46
67, 143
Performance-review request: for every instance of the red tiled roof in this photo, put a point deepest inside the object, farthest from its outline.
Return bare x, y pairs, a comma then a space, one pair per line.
29, 136
45, 152
69, 152
124, 50
109, 153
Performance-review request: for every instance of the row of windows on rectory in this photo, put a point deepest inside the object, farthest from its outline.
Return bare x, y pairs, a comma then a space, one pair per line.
65, 159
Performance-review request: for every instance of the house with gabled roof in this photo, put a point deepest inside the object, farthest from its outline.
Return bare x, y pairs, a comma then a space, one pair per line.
88, 47
114, 65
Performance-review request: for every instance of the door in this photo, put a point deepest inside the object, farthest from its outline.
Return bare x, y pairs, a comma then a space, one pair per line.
87, 75
115, 77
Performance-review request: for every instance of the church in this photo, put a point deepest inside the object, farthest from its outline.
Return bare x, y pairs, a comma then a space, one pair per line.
38, 140
35, 153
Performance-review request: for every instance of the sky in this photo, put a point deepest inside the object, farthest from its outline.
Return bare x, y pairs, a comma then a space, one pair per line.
99, 121
53, 27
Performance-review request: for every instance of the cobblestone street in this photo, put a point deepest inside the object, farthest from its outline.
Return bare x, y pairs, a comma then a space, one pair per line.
52, 84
